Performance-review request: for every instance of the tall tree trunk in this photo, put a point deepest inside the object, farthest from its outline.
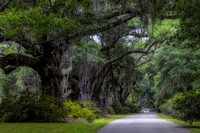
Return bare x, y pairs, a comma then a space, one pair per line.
51, 74
106, 99
97, 87
51, 79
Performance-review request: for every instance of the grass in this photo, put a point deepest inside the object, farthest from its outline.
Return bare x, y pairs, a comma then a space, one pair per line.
57, 127
194, 128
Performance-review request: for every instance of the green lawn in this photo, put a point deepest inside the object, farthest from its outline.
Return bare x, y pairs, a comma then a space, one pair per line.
56, 127
194, 128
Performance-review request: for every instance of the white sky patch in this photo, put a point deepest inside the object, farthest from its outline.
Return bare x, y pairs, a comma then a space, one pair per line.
96, 39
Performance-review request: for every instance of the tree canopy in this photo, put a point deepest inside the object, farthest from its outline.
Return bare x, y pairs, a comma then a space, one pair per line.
104, 51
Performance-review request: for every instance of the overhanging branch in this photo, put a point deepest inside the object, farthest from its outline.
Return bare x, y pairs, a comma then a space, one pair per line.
139, 35
9, 69
124, 55
119, 58
119, 13
145, 62
105, 27
12, 61
24, 42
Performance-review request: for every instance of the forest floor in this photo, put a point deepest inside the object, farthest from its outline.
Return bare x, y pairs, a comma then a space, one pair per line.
57, 127
194, 128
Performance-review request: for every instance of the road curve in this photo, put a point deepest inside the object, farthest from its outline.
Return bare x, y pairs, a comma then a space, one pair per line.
142, 123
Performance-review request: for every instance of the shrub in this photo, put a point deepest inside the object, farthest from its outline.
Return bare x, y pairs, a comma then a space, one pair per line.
187, 105
128, 108
111, 110
29, 107
92, 106
117, 107
74, 110
134, 108
166, 109
125, 110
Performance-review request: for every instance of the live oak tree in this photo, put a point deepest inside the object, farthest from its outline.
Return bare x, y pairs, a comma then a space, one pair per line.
46, 29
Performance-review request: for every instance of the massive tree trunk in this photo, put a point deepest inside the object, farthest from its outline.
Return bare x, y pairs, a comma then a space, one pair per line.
50, 72
106, 102
51, 78
97, 86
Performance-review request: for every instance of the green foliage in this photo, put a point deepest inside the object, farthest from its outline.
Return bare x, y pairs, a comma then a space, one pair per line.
88, 52
166, 108
8, 83
74, 110
29, 107
117, 107
125, 110
23, 78
176, 71
143, 93
166, 27
188, 35
93, 107
134, 108
83, 3
16, 23
11, 48
111, 110
187, 105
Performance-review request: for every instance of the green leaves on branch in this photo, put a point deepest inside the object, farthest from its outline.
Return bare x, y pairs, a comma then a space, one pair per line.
34, 24
187, 105
74, 110
82, 3
29, 107
176, 71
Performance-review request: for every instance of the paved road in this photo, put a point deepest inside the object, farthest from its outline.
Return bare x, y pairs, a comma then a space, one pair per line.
142, 123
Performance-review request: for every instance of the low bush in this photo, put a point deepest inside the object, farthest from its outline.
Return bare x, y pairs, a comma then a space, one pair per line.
117, 107
92, 106
125, 110
29, 107
111, 110
128, 108
74, 110
166, 109
134, 108
187, 105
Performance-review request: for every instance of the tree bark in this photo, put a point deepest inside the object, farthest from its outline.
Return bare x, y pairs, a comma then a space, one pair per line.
50, 72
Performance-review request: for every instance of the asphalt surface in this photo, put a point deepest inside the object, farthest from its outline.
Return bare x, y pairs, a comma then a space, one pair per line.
142, 123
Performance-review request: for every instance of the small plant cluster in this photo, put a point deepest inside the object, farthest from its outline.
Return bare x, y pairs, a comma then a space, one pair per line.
185, 106
92, 106
32, 107
29, 107
84, 111
126, 109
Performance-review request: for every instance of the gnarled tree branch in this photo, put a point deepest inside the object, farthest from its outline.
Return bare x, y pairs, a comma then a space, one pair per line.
12, 61
105, 27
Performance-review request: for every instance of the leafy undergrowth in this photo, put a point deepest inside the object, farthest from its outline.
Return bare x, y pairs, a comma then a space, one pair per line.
57, 127
194, 128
